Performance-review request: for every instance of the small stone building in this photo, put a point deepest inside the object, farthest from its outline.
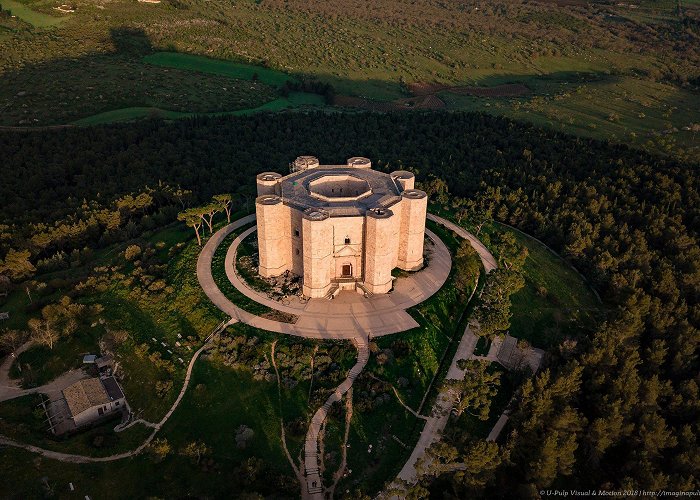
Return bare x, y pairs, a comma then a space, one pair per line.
90, 399
339, 226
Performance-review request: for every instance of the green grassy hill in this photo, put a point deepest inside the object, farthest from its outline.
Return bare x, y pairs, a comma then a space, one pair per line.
628, 72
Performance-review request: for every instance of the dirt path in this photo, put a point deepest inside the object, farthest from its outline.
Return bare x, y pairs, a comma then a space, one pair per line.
398, 397
10, 388
283, 436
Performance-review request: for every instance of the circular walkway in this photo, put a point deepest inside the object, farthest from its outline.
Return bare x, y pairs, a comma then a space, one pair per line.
345, 316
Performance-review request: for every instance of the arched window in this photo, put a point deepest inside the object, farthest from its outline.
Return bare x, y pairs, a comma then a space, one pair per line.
347, 240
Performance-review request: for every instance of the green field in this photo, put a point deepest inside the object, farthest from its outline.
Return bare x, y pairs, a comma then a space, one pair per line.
33, 17
293, 101
556, 303
238, 71
41, 365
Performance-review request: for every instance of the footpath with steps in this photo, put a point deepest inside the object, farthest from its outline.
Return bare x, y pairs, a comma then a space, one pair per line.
314, 482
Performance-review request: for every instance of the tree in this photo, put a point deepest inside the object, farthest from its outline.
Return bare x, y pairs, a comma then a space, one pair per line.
132, 252
160, 448
207, 213
224, 201
473, 468
192, 218
11, 340
510, 252
43, 332
181, 195
17, 265
195, 450
467, 267
436, 189
66, 315
474, 391
493, 311
476, 213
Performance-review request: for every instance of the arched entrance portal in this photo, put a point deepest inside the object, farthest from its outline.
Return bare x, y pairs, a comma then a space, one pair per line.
346, 270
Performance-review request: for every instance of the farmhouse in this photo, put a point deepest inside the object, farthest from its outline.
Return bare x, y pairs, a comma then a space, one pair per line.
92, 398
339, 226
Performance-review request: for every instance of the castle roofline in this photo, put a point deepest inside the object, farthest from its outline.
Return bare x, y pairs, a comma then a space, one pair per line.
340, 190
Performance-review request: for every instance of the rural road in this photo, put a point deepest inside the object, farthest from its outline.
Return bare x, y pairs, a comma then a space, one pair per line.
10, 388
436, 423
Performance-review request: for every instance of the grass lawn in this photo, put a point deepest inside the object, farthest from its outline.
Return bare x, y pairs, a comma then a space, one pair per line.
222, 399
248, 274
230, 69
223, 282
37, 19
380, 427
555, 302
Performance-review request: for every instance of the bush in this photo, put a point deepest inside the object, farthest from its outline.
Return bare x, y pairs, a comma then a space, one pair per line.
132, 252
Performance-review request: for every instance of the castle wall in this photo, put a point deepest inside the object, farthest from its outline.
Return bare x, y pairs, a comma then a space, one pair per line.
274, 244
297, 241
347, 253
412, 230
317, 234
346, 240
381, 246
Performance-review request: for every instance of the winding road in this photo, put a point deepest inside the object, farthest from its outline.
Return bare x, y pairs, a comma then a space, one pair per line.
439, 416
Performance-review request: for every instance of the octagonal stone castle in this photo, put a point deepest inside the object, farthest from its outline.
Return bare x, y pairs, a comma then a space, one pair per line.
339, 226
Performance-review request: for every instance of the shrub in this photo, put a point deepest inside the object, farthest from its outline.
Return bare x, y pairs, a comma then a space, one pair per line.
132, 252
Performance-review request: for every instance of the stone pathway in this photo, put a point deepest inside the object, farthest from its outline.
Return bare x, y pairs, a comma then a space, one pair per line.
436, 423
314, 483
487, 259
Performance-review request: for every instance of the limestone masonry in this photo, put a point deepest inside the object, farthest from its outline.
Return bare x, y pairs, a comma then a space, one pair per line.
339, 226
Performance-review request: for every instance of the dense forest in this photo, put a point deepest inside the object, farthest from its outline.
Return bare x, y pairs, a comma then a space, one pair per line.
619, 410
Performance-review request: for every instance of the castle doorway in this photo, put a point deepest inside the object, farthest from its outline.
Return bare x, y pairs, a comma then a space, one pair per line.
346, 271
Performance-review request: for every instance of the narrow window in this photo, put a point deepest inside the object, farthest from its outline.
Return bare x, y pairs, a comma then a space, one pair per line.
296, 232
347, 240
297, 251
